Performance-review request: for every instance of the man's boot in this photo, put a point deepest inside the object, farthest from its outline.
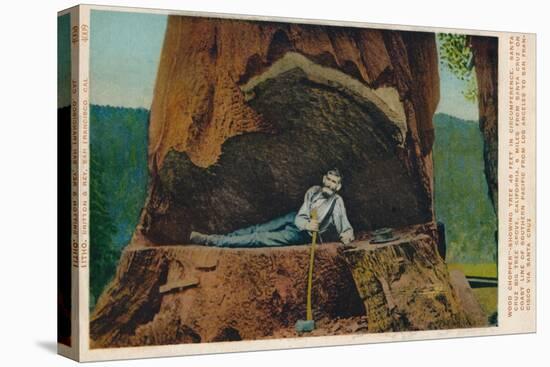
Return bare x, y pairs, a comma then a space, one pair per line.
198, 238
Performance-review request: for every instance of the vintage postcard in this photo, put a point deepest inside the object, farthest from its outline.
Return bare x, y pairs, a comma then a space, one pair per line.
237, 183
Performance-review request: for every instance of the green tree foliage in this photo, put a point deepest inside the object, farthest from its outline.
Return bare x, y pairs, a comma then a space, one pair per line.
103, 252
461, 195
456, 54
118, 184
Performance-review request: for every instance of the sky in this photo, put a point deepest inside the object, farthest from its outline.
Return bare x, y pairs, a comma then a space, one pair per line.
451, 99
124, 55
125, 51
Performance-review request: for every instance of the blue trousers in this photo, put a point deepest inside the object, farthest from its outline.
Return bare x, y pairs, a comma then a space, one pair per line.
280, 231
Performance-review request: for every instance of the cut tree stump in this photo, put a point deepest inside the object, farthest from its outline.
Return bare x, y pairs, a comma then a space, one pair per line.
166, 294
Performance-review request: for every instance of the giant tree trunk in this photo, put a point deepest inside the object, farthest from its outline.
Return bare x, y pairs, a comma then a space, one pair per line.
485, 50
247, 115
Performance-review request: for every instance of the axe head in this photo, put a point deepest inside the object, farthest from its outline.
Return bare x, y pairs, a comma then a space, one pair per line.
305, 326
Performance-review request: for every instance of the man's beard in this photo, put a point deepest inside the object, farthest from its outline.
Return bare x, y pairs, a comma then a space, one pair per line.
327, 191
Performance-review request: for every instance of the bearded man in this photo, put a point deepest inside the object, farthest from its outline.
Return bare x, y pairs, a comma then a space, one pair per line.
294, 228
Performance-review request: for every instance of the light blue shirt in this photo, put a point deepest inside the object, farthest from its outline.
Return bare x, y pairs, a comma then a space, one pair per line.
330, 210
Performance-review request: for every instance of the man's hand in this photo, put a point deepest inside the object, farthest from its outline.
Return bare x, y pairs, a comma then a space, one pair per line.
312, 225
347, 237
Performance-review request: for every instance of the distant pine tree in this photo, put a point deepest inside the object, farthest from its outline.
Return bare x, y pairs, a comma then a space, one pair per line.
103, 252
461, 193
118, 138
118, 184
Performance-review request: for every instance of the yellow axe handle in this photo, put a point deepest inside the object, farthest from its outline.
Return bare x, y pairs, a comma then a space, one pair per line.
309, 314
